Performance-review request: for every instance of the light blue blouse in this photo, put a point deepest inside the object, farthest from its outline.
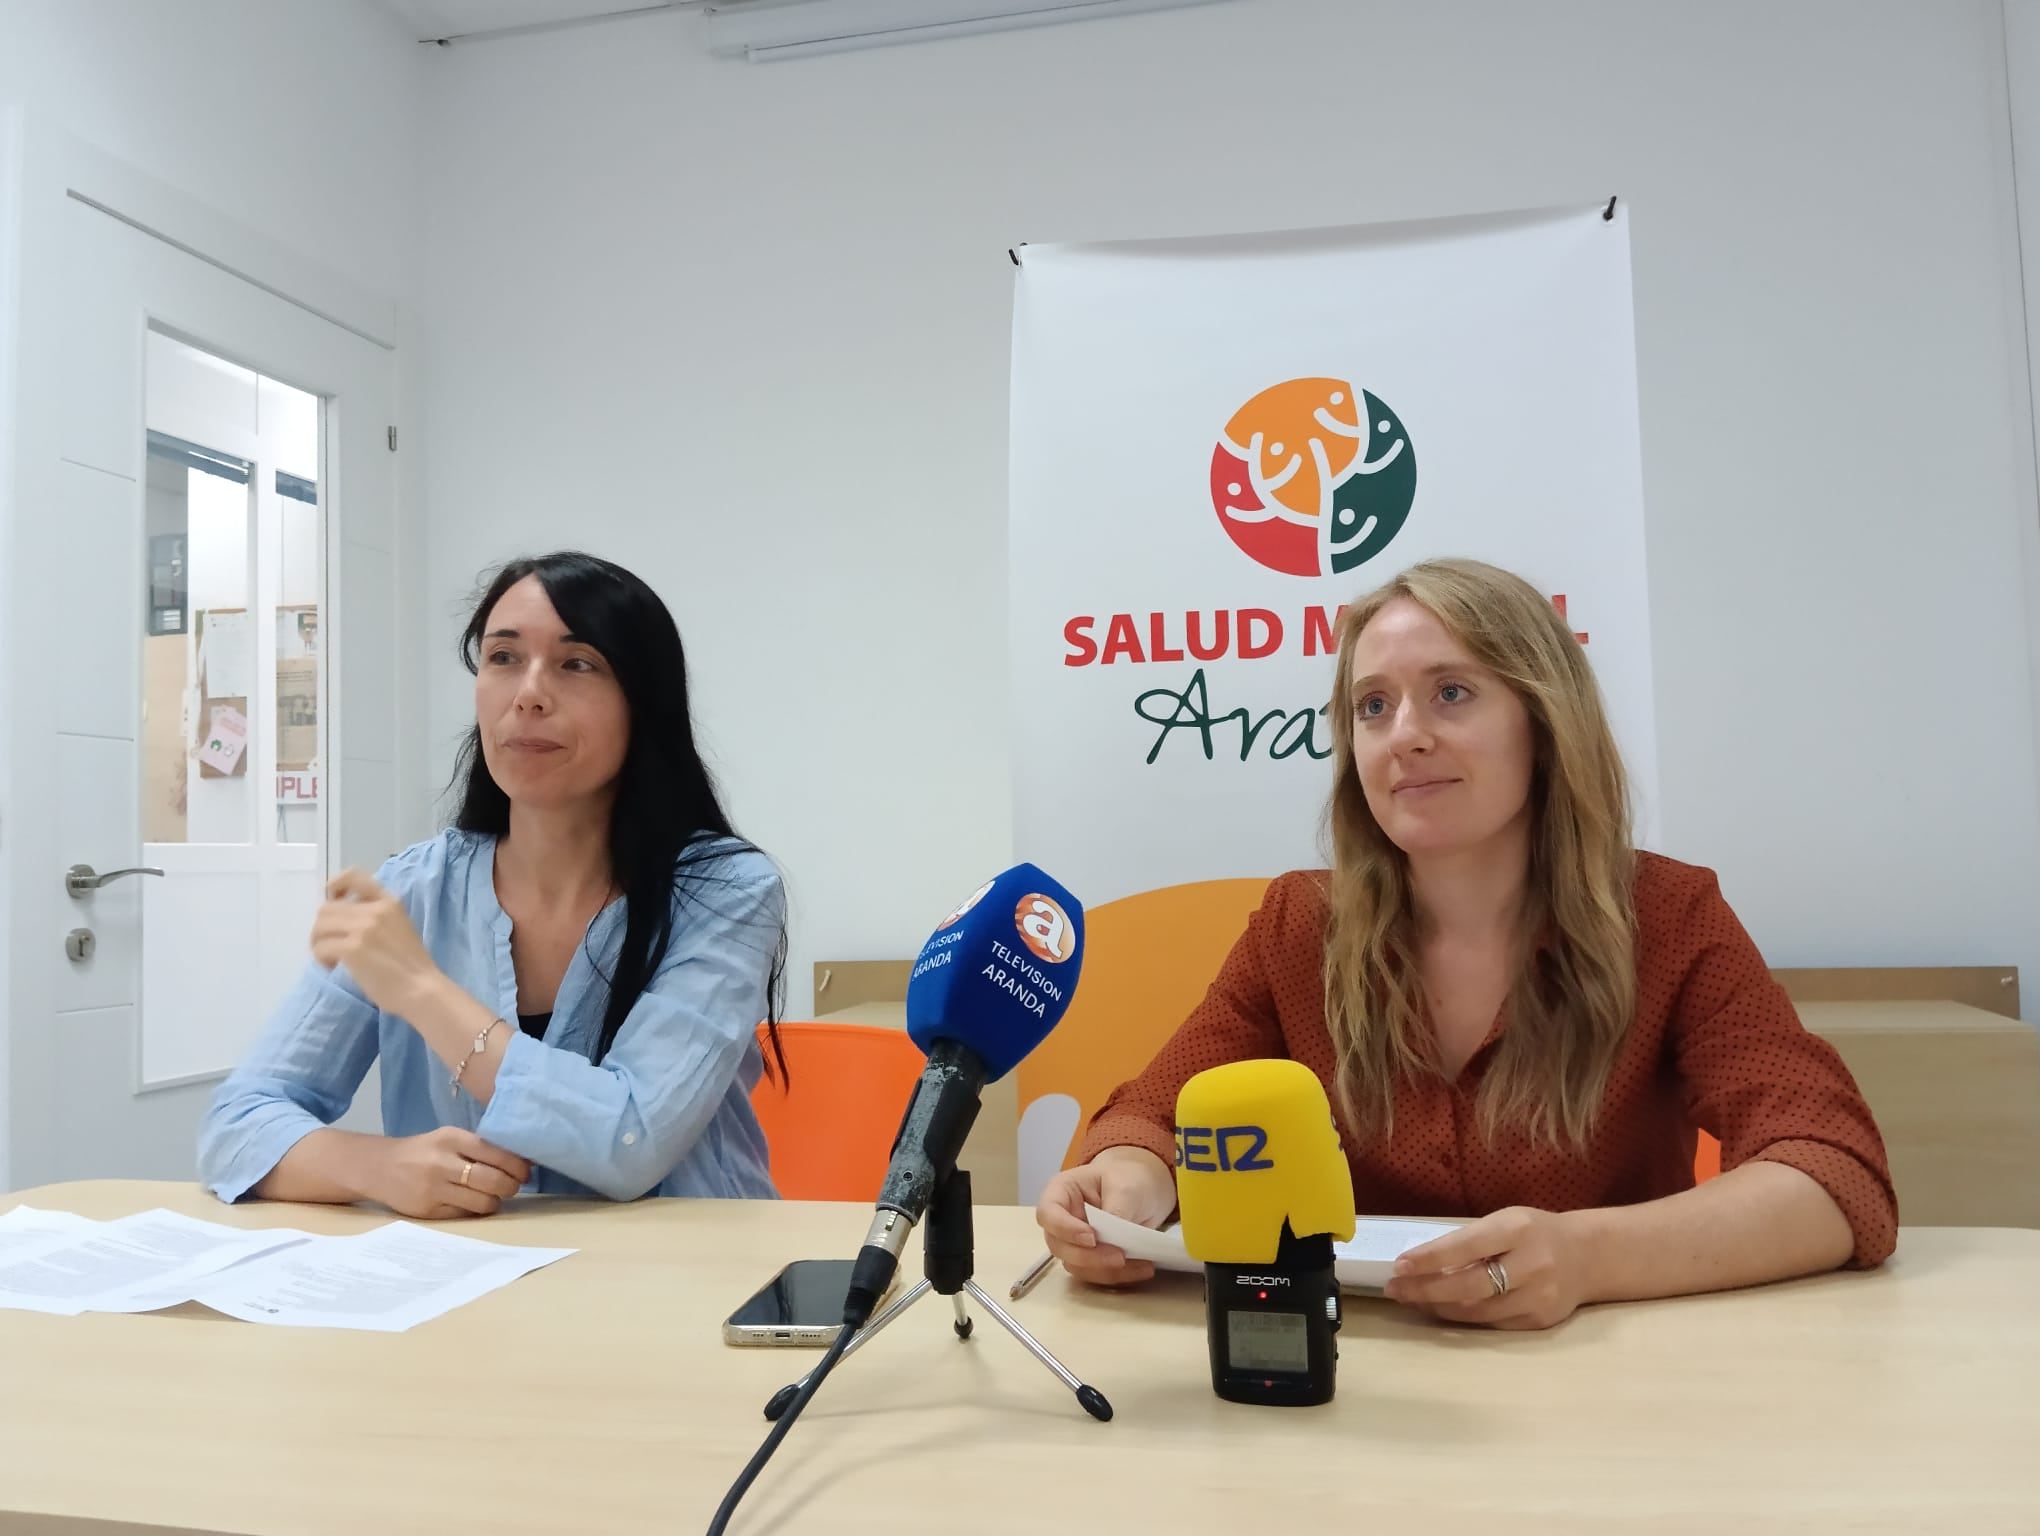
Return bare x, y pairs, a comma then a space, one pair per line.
667, 1111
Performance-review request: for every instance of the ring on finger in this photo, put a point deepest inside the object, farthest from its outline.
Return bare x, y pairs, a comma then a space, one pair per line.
465, 1170
1498, 1276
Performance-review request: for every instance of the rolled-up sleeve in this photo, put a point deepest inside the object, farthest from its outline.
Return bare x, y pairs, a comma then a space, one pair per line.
1768, 1088
621, 1126
301, 1076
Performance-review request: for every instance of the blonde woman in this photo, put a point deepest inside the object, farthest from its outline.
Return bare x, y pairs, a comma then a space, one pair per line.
1519, 1017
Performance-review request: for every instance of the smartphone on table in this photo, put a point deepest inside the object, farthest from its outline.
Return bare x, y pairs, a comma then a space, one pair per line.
801, 1305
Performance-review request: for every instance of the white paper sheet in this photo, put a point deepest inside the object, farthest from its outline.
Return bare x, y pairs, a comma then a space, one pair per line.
1368, 1259
1363, 1264
26, 1230
135, 1264
384, 1281
154, 1297
227, 655
389, 1279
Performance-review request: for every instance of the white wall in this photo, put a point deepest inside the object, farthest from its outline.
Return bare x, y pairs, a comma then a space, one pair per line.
2022, 83
10, 259
298, 119
746, 329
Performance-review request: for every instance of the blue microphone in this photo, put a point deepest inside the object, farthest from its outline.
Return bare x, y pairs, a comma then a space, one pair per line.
986, 989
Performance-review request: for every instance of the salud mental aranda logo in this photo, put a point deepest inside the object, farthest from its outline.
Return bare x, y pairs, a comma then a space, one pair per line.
1313, 477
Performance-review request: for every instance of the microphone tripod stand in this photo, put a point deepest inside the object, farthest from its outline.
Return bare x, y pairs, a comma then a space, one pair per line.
947, 1263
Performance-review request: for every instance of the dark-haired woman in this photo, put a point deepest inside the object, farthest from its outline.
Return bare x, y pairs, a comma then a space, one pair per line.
564, 988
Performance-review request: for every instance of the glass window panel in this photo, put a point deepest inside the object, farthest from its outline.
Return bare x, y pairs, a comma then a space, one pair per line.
297, 661
198, 647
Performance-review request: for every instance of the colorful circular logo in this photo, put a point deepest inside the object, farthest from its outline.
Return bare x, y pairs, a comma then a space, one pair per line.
1044, 928
1313, 477
969, 901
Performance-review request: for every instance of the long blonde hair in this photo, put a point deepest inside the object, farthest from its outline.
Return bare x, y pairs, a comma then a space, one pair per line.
1575, 985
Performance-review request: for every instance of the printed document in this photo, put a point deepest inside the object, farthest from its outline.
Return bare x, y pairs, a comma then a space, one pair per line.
1362, 1264
389, 1279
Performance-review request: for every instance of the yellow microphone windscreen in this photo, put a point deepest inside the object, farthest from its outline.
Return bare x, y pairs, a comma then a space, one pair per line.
1255, 1146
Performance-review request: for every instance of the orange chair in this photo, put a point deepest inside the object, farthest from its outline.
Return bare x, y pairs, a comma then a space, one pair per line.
831, 1132
1706, 1158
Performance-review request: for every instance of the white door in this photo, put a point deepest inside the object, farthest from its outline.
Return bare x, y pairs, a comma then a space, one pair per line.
200, 632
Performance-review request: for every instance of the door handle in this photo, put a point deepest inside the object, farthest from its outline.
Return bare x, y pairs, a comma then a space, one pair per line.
80, 880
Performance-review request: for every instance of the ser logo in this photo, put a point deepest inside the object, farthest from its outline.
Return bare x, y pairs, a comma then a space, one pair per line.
1224, 1149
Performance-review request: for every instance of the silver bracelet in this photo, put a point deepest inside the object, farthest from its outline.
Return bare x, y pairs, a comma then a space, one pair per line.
481, 1040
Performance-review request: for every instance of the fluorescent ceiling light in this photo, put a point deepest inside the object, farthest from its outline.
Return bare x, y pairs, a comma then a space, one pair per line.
767, 30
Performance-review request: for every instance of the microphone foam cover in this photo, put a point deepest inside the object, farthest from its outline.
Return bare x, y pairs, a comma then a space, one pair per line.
1255, 1147
999, 973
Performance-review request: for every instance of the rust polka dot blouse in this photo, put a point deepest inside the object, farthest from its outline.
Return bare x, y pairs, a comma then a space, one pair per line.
1715, 1045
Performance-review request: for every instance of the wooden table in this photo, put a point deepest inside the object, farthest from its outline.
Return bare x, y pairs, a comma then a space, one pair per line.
596, 1395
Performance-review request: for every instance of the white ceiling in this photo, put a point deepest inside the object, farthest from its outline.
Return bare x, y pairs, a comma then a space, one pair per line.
430, 20
764, 27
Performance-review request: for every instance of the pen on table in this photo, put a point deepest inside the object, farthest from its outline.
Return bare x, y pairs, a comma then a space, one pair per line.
1027, 1281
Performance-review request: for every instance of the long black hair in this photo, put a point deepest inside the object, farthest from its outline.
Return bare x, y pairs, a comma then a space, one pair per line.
666, 814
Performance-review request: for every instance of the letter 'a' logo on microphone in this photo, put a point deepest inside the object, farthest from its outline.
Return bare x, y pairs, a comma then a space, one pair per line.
1044, 927
969, 901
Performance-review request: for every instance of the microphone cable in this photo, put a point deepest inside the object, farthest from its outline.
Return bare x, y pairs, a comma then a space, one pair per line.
749, 1475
